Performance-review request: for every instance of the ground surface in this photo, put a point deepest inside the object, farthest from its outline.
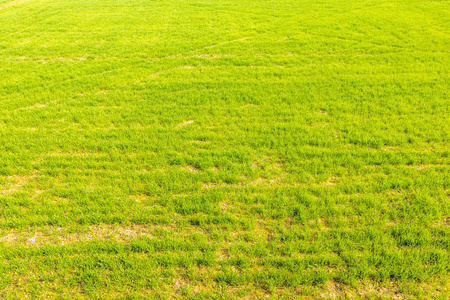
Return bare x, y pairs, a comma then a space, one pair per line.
224, 149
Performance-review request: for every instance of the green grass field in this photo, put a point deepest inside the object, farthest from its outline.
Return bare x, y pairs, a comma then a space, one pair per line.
206, 149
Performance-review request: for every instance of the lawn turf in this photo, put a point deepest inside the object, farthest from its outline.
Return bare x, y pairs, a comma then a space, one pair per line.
224, 149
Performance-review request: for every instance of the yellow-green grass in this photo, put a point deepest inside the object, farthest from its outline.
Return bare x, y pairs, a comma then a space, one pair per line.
224, 149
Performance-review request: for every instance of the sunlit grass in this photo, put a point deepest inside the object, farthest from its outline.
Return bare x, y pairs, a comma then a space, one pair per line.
222, 149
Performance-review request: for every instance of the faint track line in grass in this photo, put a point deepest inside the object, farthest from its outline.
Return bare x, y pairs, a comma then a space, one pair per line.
72, 79
351, 39
232, 41
29, 17
90, 75
223, 43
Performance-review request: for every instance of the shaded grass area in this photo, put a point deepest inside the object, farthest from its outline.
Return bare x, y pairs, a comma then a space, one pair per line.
221, 150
